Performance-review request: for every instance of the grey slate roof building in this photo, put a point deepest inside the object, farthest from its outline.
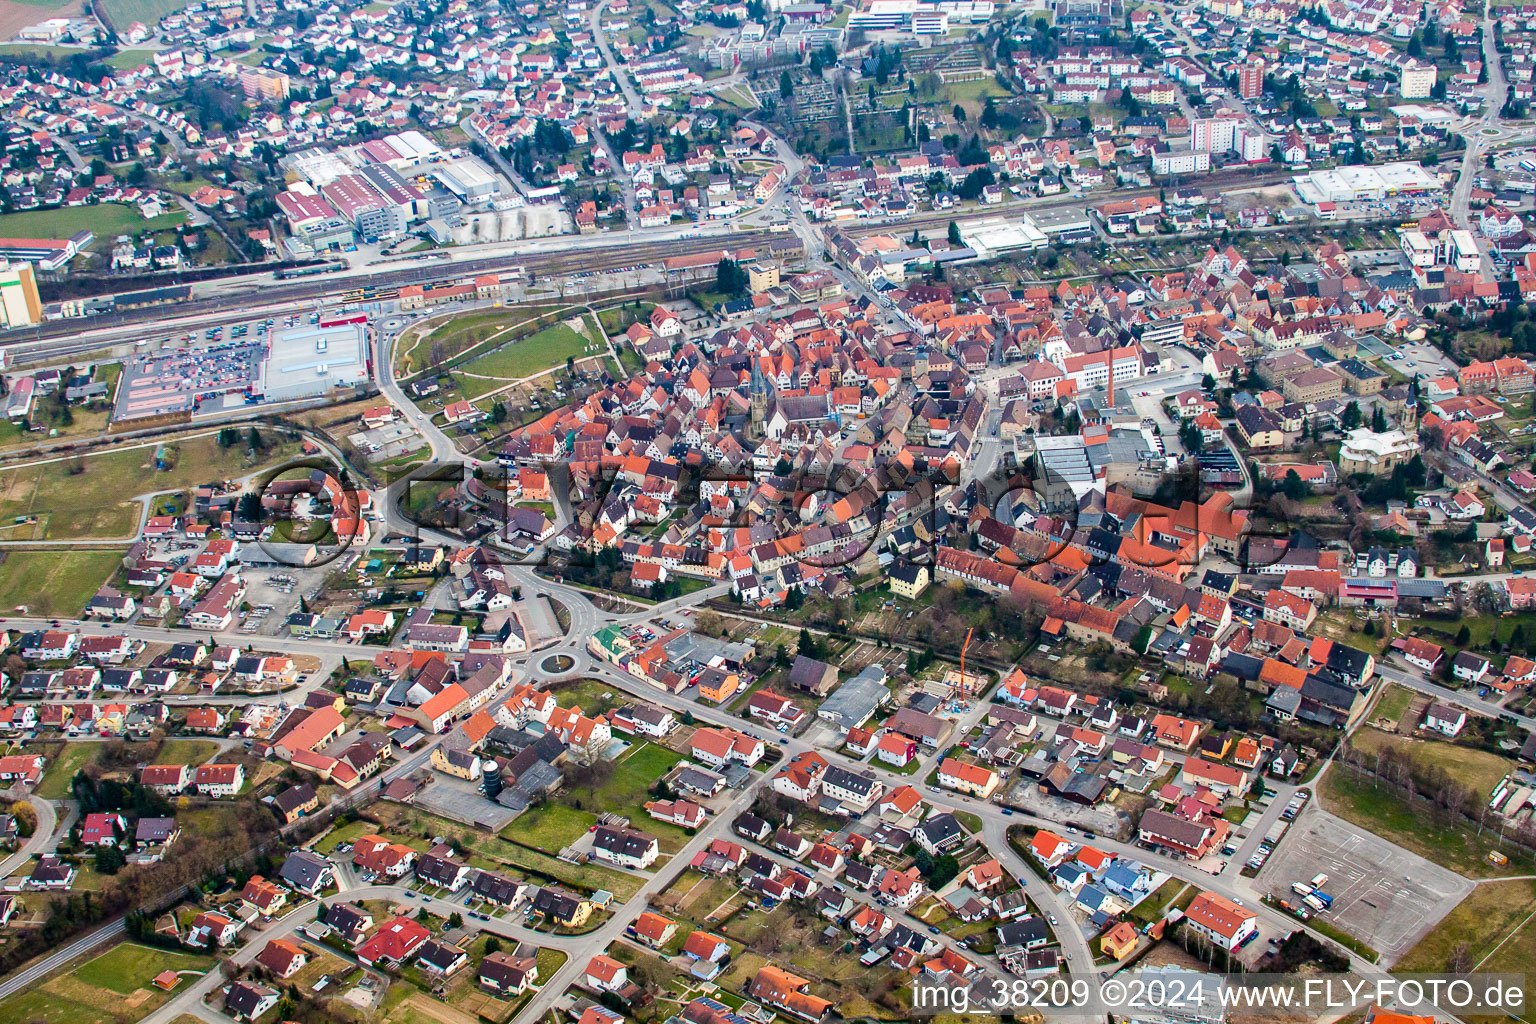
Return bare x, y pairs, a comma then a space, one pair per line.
306, 872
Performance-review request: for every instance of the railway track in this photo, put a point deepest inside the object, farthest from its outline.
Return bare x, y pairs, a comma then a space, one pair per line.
49, 339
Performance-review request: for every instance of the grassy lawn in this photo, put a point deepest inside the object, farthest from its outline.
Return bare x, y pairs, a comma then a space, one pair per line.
588, 878
48, 418
1393, 702
1345, 939
105, 219
542, 351
634, 774
1494, 915
57, 776
1476, 768
552, 827
459, 334
54, 582
973, 93
129, 967
1485, 630
626, 791
496, 852
1151, 908
113, 987
23, 50
1382, 811
186, 751
593, 696
347, 833
617, 319
126, 59
94, 501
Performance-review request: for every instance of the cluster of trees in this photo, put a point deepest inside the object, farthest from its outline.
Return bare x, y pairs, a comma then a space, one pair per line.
117, 795
938, 871
730, 278
229, 437
531, 157
823, 58
1394, 768
202, 858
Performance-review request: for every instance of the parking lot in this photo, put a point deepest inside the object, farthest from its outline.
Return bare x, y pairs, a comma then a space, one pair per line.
202, 372
274, 595
388, 441
1382, 895
1419, 360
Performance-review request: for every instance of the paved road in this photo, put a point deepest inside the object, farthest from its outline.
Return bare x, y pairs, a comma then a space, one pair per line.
636, 107
42, 968
41, 840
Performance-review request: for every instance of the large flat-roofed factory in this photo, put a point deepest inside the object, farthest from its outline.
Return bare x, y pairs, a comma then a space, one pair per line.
385, 188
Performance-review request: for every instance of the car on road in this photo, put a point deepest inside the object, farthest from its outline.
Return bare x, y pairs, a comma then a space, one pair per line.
933, 929
1052, 919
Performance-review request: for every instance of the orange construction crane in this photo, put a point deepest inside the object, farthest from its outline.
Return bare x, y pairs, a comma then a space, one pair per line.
964, 684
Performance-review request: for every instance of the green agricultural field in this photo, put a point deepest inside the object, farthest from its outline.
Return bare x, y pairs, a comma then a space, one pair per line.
54, 582
106, 220
113, 988
91, 497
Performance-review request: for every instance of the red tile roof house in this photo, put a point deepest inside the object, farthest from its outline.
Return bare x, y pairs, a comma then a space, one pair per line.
1217, 918
282, 957
220, 780
24, 768
393, 944
102, 829
704, 946
653, 929
605, 974
376, 856
266, 897
682, 813
212, 929
1049, 848
165, 779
